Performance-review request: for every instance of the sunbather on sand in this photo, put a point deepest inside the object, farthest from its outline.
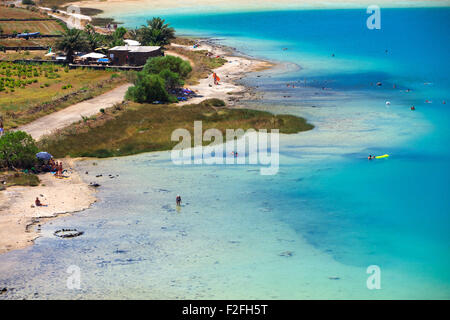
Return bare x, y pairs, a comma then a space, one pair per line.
38, 203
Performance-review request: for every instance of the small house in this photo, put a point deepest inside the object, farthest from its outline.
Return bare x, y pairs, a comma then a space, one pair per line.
133, 55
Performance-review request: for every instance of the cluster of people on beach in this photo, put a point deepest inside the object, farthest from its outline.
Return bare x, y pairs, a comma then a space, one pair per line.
56, 167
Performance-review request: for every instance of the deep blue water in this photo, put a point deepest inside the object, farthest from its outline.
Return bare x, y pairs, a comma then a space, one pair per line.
394, 213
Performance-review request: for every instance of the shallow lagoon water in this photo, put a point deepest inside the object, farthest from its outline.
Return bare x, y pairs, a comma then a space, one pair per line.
310, 231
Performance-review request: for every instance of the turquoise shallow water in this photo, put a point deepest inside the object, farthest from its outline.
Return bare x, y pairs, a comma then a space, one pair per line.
335, 211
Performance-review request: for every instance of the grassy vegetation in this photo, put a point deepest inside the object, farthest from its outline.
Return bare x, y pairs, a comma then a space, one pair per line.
134, 128
56, 3
202, 65
22, 55
36, 42
31, 91
18, 179
19, 13
47, 27
185, 41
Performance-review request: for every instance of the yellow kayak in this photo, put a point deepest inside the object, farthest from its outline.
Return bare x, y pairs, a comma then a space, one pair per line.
382, 157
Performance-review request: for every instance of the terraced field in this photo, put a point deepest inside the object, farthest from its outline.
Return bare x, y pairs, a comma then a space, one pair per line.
47, 27
14, 42
19, 13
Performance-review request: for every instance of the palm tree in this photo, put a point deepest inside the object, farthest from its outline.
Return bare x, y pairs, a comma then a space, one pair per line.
133, 34
156, 33
94, 41
72, 40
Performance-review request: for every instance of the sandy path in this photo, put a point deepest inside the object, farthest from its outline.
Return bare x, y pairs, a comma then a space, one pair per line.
69, 115
17, 210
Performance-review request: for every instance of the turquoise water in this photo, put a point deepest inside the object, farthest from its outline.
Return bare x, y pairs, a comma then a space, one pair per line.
335, 211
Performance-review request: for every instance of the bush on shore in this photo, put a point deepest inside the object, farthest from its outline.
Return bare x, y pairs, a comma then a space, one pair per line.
148, 88
17, 150
174, 64
159, 76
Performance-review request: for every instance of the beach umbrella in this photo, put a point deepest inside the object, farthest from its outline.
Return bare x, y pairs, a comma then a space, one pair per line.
44, 156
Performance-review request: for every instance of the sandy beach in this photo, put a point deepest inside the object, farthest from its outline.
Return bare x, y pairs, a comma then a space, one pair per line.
20, 219
236, 67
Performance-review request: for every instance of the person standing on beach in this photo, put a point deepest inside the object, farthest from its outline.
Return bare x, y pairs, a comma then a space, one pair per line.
216, 78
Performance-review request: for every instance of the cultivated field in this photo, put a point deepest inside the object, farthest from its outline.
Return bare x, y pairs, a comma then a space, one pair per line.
47, 27
14, 42
30, 91
19, 13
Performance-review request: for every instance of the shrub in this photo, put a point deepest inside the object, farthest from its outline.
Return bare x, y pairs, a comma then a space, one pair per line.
171, 79
17, 150
174, 64
148, 88
213, 103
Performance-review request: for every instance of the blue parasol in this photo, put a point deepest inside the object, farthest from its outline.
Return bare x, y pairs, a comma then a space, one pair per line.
44, 156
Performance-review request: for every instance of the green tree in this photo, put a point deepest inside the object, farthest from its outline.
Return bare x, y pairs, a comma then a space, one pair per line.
174, 64
148, 88
171, 79
116, 39
72, 40
156, 33
94, 41
17, 150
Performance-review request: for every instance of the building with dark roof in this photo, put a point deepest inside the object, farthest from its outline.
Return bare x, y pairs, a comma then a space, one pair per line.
133, 55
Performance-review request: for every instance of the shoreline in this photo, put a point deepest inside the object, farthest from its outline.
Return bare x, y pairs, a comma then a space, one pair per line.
20, 220
117, 7
235, 69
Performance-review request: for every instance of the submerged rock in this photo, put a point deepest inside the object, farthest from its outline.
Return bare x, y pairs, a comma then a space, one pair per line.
286, 254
